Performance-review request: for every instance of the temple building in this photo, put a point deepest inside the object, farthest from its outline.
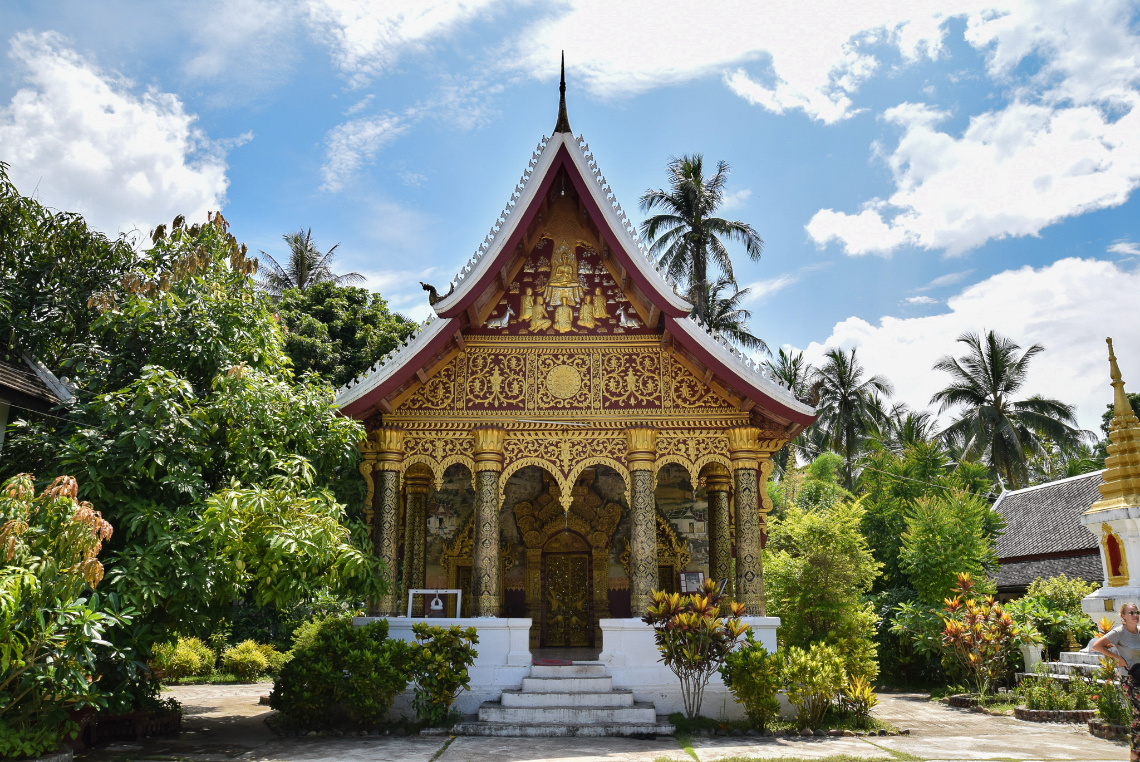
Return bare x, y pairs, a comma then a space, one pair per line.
538, 442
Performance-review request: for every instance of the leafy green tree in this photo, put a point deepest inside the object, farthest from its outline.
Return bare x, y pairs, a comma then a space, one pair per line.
51, 621
306, 266
725, 315
51, 264
817, 570
947, 535
686, 235
848, 412
190, 431
338, 331
994, 426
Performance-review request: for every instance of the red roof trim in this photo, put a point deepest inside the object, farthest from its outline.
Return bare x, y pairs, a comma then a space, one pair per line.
358, 407
735, 378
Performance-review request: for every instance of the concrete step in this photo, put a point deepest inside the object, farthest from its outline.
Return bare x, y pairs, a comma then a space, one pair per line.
643, 730
639, 714
1062, 668
616, 698
577, 669
599, 684
1080, 657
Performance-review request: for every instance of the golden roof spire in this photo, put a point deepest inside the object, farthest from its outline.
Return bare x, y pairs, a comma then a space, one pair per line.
563, 124
1121, 488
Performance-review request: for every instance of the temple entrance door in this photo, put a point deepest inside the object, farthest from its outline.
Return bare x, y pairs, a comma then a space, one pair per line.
567, 611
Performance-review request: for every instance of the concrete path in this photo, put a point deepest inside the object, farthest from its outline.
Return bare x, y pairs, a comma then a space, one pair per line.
225, 722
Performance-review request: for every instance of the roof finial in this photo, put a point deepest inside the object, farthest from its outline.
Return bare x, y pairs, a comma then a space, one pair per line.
1121, 487
1120, 399
563, 124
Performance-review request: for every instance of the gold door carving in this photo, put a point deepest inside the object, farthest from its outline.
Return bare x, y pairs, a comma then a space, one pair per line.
566, 593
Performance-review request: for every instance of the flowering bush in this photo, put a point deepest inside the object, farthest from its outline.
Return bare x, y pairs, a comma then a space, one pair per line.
50, 620
693, 638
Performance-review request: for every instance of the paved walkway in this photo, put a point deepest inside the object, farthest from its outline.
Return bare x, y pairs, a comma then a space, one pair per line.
225, 722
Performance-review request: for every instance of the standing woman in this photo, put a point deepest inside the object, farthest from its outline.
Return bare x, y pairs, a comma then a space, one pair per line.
1125, 638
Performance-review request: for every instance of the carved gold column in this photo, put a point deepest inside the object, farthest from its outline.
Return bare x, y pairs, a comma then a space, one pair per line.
417, 486
385, 527
718, 483
641, 453
485, 564
749, 454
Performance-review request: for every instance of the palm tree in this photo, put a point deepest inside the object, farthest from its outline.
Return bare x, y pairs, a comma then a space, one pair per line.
849, 410
305, 267
794, 372
993, 426
903, 428
687, 234
726, 316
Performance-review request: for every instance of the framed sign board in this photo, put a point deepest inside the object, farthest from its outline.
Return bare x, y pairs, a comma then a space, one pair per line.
691, 582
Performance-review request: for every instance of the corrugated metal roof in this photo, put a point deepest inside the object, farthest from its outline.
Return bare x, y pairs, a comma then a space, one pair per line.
1047, 518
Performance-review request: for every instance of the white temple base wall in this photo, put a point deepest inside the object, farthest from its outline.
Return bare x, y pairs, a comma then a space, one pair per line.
630, 654
502, 662
1106, 601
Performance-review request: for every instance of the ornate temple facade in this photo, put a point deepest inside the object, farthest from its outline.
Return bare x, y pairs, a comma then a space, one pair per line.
561, 438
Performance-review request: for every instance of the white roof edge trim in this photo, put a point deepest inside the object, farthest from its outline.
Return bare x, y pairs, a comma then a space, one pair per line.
61, 390
525, 191
734, 358
607, 201
1086, 475
383, 369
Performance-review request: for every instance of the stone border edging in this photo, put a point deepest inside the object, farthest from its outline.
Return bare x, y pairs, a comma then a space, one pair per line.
963, 700
1108, 732
1053, 715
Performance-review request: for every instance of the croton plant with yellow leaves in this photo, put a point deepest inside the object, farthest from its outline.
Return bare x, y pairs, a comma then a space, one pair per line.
50, 616
694, 638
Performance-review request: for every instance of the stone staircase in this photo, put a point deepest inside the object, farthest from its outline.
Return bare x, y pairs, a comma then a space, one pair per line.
1081, 663
572, 700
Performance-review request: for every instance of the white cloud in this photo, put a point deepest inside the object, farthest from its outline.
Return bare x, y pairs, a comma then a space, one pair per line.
367, 37
921, 300
84, 141
1068, 142
735, 200
949, 279
1125, 248
412, 179
246, 47
354, 143
762, 289
810, 56
1069, 307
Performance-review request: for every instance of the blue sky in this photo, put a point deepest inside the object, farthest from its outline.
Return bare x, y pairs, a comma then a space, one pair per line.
917, 170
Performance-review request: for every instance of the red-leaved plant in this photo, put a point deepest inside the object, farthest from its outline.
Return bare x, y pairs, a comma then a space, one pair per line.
979, 635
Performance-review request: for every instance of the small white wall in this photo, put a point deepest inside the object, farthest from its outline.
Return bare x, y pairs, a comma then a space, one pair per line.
630, 653
502, 662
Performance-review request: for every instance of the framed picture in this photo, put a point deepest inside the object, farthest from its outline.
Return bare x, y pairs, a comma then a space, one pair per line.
692, 582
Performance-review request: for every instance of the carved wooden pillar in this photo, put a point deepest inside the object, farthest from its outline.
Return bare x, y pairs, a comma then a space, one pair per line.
385, 524
750, 454
718, 483
534, 594
417, 486
641, 453
485, 564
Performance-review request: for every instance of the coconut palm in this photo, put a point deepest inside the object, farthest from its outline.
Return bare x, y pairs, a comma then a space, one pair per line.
726, 316
687, 234
794, 372
993, 426
849, 411
903, 427
305, 267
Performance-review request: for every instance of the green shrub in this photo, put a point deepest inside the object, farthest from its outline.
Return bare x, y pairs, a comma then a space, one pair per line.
753, 676
812, 678
340, 674
440, 660
1111, 704
275, 658
1041, 692
857, 699
1061, 593
186, 657
245, 661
